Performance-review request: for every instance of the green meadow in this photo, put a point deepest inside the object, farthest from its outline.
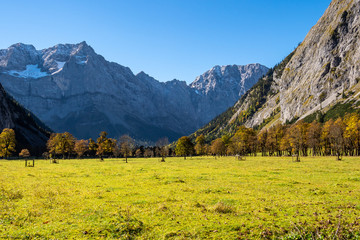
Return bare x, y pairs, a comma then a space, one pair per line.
196, 198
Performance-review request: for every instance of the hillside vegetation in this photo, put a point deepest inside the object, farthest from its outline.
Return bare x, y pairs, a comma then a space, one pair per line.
30, 131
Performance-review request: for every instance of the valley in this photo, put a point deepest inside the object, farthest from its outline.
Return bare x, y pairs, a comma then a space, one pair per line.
90, 149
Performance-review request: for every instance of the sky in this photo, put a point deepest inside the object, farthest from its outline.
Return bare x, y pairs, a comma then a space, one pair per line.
167, 39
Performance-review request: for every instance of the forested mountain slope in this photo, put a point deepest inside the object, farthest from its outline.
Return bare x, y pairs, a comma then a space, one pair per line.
30, 132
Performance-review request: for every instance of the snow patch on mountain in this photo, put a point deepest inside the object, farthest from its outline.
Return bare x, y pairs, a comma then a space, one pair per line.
31, 71
60, 65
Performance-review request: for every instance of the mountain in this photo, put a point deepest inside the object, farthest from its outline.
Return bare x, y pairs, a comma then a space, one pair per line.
30, 133
221, 87
321, 75
71, 88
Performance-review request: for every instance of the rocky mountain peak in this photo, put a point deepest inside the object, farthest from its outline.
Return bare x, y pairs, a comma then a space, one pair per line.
237, 77
23, 47
82, 48
69, 49
177, 81
145, 77
22, 60
17, 56
55, 57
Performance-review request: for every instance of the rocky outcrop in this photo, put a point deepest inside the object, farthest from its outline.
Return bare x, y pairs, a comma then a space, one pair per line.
71, 88
323, 70
325, 64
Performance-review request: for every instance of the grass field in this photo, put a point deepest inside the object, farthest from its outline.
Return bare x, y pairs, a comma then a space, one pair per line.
197, 198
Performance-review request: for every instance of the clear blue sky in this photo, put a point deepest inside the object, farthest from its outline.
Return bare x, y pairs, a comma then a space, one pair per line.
166, 38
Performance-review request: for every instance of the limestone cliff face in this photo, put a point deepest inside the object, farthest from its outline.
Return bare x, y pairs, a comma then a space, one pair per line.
71, 88
323, 69
30, 133
326, 64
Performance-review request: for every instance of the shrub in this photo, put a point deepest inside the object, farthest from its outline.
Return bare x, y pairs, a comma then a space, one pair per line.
322, 96
221, 207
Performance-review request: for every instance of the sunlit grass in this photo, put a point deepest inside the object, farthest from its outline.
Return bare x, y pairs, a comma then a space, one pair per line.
196, 198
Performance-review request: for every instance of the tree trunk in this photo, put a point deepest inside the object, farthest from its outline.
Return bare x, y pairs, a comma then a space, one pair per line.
298, 156
338, 156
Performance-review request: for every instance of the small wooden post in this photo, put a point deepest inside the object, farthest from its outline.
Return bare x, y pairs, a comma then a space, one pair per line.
28, 164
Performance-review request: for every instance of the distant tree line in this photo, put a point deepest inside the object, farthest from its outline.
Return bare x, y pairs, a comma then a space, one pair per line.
332, 138
65, 145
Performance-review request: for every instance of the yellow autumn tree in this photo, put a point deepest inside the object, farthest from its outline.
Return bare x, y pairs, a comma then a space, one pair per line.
244, 141
81, 146
218, 147
336, 136
325, 137
352, 133
285, 144
262, 138
61, 144
105, 145
200, 145
7, 142
313, 138
24, 153
126, 144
